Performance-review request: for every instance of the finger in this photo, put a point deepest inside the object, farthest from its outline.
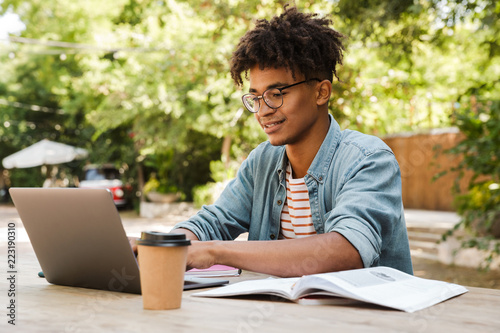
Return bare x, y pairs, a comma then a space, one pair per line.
133, 244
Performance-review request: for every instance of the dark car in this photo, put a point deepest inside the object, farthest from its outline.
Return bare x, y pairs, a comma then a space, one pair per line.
106, 176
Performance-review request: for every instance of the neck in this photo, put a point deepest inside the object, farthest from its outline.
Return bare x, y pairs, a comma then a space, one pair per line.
302, 154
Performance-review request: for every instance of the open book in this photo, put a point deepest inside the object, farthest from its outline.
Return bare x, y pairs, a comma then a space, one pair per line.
378, 285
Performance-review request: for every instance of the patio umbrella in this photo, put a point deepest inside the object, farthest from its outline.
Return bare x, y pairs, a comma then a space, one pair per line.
43, 152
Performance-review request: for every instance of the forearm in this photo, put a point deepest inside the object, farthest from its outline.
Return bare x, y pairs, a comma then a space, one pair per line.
311, 255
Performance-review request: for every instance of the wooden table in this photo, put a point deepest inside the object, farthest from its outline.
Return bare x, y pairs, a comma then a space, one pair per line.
41, 307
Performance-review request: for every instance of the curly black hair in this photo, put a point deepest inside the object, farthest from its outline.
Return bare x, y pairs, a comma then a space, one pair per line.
293, 40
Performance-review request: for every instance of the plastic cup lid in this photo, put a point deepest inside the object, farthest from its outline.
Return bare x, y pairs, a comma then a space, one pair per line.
155, 238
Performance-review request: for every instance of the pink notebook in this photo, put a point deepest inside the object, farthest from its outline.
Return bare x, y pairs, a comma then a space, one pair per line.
214, 271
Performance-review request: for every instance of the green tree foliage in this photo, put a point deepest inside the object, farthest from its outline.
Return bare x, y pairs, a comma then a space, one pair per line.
409, 61
479, 204
146, 83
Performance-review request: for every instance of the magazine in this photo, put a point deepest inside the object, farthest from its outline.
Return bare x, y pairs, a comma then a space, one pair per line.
383, 286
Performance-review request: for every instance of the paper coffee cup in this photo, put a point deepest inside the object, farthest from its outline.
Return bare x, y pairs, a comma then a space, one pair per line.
162, 263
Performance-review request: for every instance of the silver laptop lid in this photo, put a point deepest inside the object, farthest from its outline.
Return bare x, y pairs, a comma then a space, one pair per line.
78, 237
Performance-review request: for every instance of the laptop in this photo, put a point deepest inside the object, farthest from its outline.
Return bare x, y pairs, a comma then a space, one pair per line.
79, 240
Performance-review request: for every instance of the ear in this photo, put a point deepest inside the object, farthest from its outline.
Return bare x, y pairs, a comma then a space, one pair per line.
323, 92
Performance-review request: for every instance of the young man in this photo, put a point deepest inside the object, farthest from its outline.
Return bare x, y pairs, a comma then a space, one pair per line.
313, 198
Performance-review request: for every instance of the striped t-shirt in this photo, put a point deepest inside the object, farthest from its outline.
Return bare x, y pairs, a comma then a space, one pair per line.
296, 218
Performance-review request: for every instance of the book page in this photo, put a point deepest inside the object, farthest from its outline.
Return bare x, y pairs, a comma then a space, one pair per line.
378, 285
320, 299
383, 286
269, 286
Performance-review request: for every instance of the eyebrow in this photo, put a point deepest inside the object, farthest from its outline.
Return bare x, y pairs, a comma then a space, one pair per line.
274, 85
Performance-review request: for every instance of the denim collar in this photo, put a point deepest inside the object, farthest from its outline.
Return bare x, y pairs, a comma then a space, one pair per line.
323, 158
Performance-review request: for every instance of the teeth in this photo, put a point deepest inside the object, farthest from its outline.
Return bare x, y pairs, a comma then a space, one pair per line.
273, 124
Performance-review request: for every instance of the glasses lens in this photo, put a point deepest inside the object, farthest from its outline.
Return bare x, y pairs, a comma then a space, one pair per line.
251, 102
273, 98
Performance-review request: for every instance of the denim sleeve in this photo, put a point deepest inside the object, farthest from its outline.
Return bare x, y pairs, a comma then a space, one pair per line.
230, 215
368, 207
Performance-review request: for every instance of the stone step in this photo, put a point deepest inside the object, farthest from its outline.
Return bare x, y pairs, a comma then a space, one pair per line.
424, 255
428, 246
424, 249
424, 236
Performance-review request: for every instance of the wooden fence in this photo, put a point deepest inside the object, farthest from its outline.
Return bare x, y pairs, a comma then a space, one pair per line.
420, 162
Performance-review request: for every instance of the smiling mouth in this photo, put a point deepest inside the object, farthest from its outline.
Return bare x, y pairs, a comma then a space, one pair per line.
273, 124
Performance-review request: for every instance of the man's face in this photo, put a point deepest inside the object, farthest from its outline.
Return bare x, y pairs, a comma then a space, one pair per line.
297, 119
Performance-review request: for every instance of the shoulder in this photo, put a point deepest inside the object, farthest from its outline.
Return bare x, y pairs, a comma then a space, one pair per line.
357, 151
363, 143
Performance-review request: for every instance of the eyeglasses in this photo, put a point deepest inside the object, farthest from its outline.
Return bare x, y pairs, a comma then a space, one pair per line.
273, 97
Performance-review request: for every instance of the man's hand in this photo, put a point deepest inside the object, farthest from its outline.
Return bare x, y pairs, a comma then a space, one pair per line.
133, 245
201, 254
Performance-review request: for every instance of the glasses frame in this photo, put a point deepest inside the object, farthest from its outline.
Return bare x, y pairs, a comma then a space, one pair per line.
261, 97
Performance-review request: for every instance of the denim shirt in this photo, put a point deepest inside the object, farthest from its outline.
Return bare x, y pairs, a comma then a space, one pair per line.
354, 186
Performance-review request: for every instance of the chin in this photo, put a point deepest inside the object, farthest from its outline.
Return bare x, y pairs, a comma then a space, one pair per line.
277, 142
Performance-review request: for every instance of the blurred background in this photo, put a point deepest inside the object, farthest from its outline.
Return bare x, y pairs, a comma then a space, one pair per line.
144, 88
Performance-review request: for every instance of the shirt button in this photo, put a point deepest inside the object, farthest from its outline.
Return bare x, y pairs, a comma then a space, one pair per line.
279, 202
272, 236
320, 178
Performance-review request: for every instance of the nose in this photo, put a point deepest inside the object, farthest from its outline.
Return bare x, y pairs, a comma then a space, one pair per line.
264, 109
